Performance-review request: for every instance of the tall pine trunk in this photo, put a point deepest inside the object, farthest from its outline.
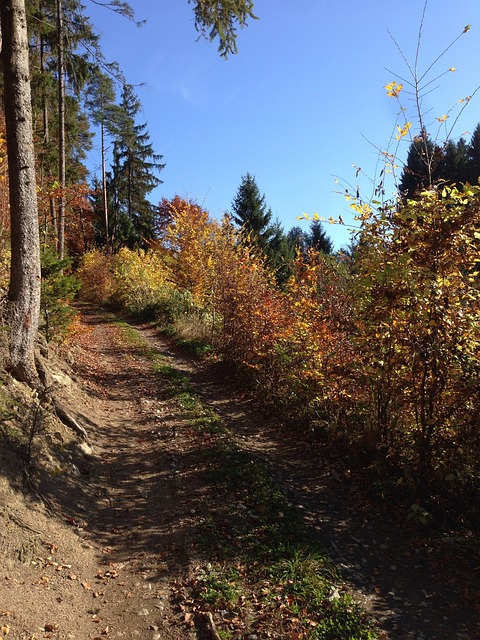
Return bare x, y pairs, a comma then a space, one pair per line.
104, 188
24, 291
61, 134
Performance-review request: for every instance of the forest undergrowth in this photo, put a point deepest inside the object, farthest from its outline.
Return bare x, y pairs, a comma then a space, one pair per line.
376, 353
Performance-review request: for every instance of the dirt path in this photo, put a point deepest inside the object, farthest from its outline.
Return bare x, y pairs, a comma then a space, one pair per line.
416, 586
134, 506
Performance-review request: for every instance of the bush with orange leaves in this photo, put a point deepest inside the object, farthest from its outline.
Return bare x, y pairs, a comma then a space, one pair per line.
96, 277
190, 239
250, 307
315, 353
228, 280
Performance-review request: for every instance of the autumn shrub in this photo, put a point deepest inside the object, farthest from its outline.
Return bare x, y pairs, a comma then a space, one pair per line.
143, 285
316, 342
79, 213
418, 336
190, 237
250, 309
96, 277
235, 301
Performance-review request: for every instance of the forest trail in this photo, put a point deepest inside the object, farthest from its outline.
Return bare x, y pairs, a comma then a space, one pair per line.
136, 511
417, 586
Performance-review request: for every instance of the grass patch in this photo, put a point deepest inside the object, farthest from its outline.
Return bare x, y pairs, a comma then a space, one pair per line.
283, 584
131, 335
198, 348
201, 418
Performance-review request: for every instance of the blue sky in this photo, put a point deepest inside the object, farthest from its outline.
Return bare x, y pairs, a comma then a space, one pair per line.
301, 104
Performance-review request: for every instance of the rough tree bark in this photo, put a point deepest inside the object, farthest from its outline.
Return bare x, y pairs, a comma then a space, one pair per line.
61, 133
24, 291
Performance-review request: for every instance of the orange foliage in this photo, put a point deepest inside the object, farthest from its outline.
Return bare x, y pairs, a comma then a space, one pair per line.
79, 215
249, 305
190, 238
316, 344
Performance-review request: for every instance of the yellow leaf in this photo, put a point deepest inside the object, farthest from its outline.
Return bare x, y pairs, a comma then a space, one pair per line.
403, 131
467, 28
393, 89
443, 118
452, 69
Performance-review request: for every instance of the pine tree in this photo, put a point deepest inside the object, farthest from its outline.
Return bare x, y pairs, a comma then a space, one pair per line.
281, 254
100, 103
24, 289
219, 19
318, 239
454, 164
422, 166
134, 170
474, 157
61, 34
298, 240
250, 212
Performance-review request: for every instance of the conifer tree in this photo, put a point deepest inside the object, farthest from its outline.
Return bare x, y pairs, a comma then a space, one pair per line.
61, 34
298, 240
250, 212
422, 167
24, 289
454, 165
101, 105
318, 239
474, 156
134, 175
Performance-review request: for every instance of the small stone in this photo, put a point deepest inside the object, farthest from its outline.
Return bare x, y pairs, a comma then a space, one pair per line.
143, 612
86, 449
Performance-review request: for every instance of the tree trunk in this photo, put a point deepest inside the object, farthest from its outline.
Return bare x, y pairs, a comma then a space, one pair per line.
24, 291
104, 187
61, 134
